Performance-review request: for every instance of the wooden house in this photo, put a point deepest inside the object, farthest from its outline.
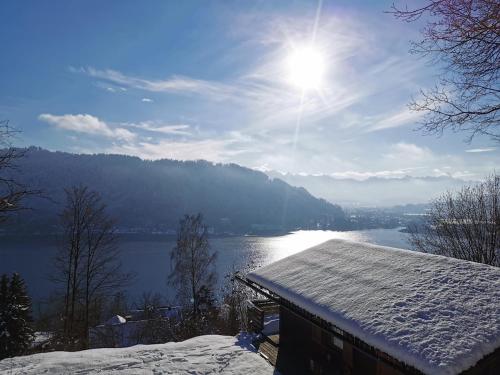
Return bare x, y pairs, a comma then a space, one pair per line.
352, 308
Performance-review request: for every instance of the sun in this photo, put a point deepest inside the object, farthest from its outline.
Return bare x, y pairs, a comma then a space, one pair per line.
306, 68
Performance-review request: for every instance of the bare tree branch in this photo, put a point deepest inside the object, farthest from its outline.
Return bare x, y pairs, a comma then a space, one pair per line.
12, 192
193, 273
464, 225
463, 37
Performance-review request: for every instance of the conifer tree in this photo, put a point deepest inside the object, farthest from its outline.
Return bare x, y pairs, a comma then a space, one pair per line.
16, 333
4, 334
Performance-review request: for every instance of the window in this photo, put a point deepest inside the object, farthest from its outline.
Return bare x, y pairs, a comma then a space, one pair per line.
337, 342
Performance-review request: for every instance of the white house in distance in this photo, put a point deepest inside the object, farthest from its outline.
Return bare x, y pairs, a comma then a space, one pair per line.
353, 308
120, 332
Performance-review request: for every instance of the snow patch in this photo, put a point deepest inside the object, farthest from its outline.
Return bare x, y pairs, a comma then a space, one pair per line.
199, 355
271, 324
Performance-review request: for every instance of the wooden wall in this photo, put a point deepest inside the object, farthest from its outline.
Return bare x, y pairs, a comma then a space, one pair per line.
306, 348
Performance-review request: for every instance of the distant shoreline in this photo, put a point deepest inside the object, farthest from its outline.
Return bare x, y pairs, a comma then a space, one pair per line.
170, 237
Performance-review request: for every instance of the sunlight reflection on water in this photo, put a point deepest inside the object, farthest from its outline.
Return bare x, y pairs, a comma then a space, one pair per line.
295, 242
271, 249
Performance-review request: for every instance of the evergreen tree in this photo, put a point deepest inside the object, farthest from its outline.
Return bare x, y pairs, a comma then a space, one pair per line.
16, 333
4, 334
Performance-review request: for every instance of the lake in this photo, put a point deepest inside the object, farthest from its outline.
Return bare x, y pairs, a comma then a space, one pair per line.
148, 256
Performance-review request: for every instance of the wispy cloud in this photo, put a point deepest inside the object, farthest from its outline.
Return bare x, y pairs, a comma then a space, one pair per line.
217, 150
478, 150
394, 120
174, 84
221, 148
146, 100
179, 129
106, 86
85, 123
409, 152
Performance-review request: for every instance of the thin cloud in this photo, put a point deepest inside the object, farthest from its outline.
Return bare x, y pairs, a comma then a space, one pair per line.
106, 86
180, 129
174, 84
401, 118
85, 123
409, 152
146, 100
478, 150
216, 150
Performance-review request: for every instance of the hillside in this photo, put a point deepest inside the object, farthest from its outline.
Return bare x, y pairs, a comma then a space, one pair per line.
152, 195
199, 355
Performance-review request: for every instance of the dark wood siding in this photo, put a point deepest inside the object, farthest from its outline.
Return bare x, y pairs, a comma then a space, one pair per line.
363, 363
305, 348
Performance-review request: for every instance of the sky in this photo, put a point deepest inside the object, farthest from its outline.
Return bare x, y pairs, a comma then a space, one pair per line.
226, 81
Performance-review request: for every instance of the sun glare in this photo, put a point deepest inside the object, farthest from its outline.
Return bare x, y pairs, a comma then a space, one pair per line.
306, 68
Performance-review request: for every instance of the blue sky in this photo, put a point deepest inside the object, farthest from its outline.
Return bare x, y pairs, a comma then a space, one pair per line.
210, 80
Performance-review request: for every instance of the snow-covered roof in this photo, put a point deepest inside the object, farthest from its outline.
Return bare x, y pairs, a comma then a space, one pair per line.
116, 319
440, 315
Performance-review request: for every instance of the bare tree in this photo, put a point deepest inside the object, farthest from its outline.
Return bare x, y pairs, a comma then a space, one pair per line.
88, 263
463, 37
11, 190
464, 225
193, 267
233, 314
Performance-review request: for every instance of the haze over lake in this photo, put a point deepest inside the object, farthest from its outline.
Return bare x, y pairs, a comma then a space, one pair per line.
148, 256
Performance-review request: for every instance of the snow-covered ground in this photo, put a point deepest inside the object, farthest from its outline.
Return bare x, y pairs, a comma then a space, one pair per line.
40, 338
200, 355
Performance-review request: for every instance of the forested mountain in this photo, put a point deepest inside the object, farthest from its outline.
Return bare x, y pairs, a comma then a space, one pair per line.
152, 195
